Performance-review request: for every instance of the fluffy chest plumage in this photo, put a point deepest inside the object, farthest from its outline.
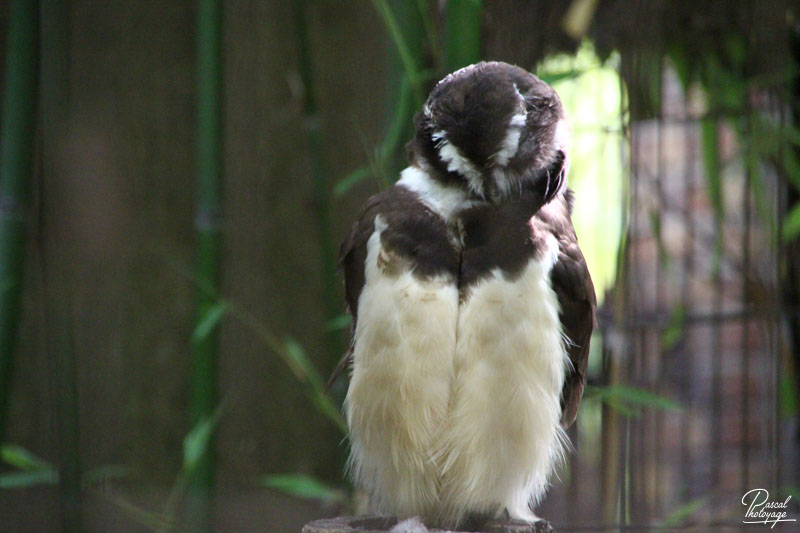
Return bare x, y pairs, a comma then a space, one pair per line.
458, 362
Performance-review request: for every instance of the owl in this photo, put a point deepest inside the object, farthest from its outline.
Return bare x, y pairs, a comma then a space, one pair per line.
472, 308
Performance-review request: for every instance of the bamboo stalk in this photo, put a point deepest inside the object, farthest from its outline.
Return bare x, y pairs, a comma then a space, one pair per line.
399, 23
406, 61
462, 33
57, 277
208, 170
321, 196
16, 155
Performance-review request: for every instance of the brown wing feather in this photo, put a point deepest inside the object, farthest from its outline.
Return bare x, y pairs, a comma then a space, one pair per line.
413, 232
573, 286
352, 255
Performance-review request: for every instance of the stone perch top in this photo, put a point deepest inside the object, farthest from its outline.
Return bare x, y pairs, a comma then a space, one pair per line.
384, 524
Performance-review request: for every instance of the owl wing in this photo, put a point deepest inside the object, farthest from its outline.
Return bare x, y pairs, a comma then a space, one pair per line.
352, 256
414, 238
573, 286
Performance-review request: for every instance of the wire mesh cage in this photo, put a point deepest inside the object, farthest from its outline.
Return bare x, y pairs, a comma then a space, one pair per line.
697, 318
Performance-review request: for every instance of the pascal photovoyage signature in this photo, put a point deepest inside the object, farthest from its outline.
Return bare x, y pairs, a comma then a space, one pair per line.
760, 510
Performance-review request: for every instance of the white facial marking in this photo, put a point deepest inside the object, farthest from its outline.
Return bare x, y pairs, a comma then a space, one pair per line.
458, 162
510, 144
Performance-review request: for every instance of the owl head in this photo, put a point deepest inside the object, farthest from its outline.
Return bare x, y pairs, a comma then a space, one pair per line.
495, 130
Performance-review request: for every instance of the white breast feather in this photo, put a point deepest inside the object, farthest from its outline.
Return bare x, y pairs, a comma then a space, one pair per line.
400, 388
455, 410
503, 436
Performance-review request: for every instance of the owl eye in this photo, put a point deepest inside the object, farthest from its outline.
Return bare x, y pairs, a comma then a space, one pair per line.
535, 103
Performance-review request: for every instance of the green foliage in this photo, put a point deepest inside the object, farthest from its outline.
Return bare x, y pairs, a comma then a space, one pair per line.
25, 480
791, 225
410, 63
793, 491
346, 183
404, 21
289, 350
18, 115
208, 321
462, 33
196, 445
305, 487
196, 442
721, 72
306, 373
683, 512
673, 332
31, 470
787, 396
340, 322
590, 91
20, 458
629, 400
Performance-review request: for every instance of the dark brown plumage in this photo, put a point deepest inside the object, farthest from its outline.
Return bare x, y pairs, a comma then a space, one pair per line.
479, 222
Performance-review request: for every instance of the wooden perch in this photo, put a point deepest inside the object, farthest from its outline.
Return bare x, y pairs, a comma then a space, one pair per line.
381, 524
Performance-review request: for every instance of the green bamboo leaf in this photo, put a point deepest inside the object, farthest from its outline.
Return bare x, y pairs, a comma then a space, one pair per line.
787, 396
792, 133
338, 323
793, 491
301, 365
152, 521
26, 480
622, 408
644, 398
211, 317
303, 487
655, 231
304, 370
330, 411
196, 442
791, 225
623, 396
679, 515
566, 75
682, 64
22, 459
791, 163
352, 179
674, 330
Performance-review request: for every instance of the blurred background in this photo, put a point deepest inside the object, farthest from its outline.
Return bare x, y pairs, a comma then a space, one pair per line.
175, 178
